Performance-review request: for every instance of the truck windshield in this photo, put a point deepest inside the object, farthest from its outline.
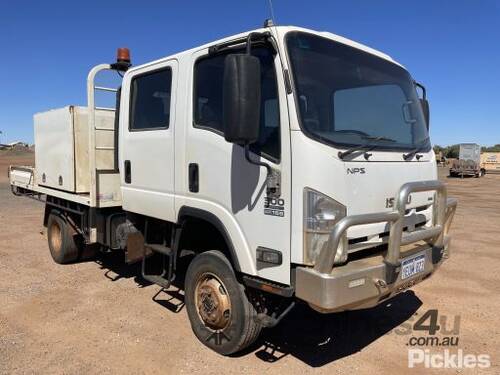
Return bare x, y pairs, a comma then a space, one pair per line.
348, 97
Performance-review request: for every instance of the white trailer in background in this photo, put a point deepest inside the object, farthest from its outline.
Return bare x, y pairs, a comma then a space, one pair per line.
282, 164
469, 161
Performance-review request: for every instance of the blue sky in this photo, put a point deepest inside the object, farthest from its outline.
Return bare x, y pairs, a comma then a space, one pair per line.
453, 47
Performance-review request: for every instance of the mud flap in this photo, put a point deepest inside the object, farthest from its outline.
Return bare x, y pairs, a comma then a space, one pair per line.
135, 248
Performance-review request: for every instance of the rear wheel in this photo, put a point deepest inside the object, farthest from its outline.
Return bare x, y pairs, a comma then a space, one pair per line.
220, 313
66, 245
61, 237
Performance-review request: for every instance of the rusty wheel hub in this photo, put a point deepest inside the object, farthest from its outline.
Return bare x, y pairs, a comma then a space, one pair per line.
212, 302
56, 236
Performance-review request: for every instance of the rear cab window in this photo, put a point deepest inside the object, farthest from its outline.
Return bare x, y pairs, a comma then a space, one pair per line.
150, 95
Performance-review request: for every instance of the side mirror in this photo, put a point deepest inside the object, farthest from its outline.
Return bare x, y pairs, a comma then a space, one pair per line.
241, 98
425, 108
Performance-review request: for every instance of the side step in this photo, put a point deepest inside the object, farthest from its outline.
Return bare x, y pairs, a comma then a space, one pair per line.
167, 276
157, 248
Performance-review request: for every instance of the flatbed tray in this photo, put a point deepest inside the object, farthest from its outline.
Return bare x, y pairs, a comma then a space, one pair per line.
23, 177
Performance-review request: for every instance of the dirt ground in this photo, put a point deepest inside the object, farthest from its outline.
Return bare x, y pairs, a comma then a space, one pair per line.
100, 317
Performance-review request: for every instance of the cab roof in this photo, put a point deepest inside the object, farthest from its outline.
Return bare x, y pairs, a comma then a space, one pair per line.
281, 31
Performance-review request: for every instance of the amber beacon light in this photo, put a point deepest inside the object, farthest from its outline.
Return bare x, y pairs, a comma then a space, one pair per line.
122, 59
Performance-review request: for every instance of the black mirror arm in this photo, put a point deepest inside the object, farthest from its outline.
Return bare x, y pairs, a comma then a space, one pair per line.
256, 162
249, 41
273, 177
422, 87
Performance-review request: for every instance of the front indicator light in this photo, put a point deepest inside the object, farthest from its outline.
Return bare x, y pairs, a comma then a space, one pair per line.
321, 213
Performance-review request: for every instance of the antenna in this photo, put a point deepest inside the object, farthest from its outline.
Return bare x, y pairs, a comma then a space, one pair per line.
271, 9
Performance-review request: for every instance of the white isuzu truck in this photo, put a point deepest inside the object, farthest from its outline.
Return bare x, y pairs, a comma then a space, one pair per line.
282, 164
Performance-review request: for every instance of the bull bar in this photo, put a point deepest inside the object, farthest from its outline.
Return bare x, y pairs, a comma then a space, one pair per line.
327, 285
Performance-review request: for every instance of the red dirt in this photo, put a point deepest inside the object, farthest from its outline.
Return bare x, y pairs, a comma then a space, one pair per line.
99, 317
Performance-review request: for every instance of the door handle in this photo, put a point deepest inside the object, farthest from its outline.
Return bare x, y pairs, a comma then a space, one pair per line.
194, 175
128, 173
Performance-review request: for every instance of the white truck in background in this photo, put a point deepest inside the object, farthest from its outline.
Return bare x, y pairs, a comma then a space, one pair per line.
490, 162
285, 164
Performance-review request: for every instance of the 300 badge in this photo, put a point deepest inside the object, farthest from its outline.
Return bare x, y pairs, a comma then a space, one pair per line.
274, 206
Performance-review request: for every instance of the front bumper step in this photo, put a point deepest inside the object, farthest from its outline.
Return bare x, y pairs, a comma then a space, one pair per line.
363, 283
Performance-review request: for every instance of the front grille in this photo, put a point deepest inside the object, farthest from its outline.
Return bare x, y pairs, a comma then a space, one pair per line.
376, 245
417, 209
386, 234
353, 241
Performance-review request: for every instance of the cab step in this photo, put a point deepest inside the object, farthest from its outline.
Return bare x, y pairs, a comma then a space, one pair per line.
167, 275
158, 280
157, 248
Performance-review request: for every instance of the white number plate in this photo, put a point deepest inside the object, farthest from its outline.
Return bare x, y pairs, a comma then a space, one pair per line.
412, 266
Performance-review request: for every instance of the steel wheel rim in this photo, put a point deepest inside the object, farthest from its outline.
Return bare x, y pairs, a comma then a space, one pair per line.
212, 302
56, 236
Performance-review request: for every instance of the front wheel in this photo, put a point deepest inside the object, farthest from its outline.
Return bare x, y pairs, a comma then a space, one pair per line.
220, 313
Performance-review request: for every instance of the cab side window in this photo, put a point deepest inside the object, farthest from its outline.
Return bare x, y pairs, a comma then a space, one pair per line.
150, 100
208, 86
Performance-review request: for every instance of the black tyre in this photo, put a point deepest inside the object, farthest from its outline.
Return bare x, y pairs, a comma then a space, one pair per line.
64, 242
220, 313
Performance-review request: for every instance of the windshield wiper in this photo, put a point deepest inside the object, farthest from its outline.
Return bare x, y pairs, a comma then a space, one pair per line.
367, 146
415, 151
381, 138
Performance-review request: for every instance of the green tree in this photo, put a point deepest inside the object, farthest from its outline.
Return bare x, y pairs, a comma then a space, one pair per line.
495, 148
452, 151
437, 149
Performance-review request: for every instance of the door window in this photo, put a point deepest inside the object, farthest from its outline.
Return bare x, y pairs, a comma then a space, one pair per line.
208, 92
150, 100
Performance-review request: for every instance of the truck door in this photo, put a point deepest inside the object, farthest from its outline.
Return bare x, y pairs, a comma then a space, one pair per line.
229, 186
147, 147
